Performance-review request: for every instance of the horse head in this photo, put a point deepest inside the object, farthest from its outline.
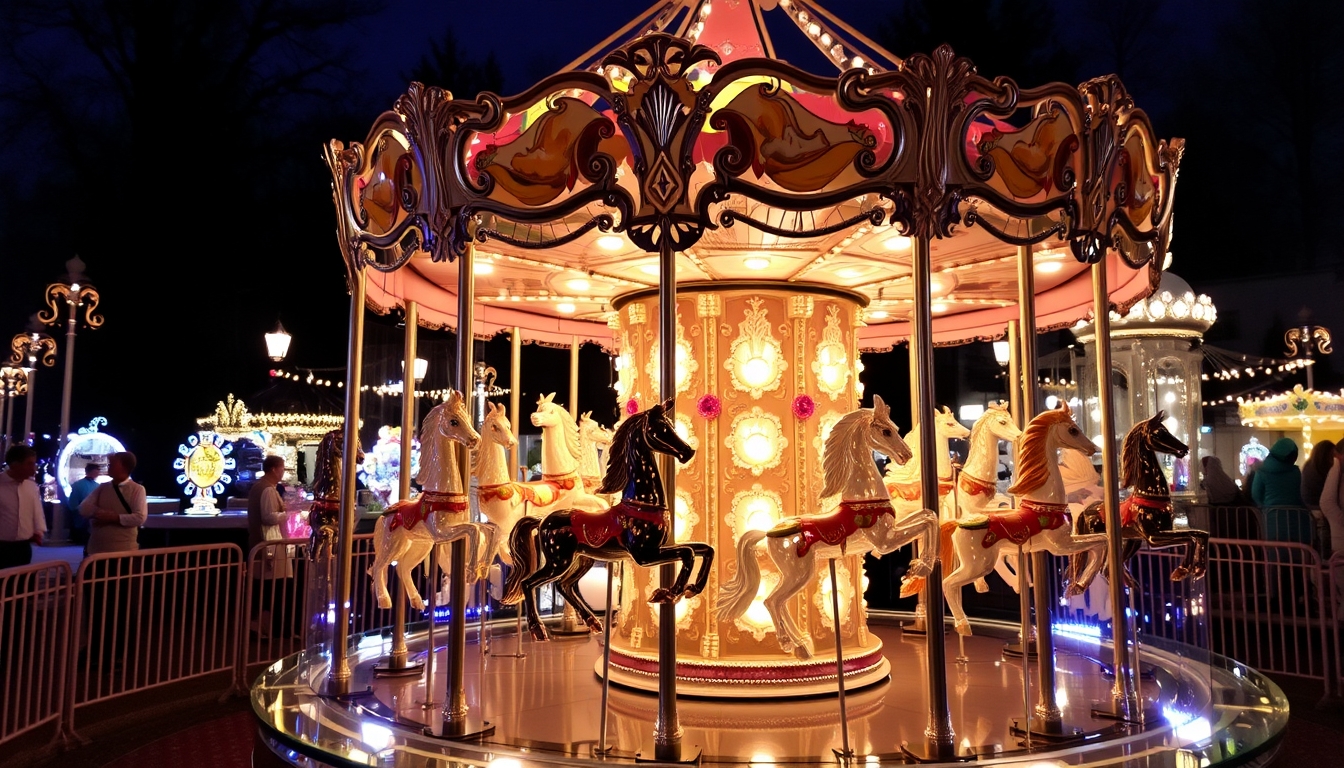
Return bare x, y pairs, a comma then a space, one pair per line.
1160, 439
547, 413
999, 423
451, 420
661, 435
592, 431
1066, 432
884, 437
496, 427
947, 426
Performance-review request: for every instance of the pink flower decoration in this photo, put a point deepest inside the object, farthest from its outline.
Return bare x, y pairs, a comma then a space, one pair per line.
709, 406
632, 406
803, 407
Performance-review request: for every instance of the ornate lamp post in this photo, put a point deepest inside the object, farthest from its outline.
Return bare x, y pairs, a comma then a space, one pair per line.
13, 382
75, 295
1306, 337
25, 350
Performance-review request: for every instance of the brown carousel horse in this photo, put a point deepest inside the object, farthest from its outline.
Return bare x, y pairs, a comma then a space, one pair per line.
1146, 514
568, 541
326, 508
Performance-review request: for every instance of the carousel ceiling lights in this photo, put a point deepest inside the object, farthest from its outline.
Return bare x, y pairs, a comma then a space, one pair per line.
756, 263
756, 440
578, 284
755, 358
611, 243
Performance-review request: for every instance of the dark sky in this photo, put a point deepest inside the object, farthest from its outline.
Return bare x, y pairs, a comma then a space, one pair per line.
194, 271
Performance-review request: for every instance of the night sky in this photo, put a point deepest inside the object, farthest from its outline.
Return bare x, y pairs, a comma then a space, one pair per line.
194, 190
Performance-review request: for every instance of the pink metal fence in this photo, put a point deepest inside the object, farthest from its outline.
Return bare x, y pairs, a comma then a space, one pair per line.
34, 622
153, 617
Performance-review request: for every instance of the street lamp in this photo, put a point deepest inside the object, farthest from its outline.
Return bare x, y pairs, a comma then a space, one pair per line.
1001, 352
277, 342
1310, 337
13, 382
75, 295
25, 350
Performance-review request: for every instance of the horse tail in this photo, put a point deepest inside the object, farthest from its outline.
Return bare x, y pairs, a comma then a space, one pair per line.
736, 595
946, 556
522, 542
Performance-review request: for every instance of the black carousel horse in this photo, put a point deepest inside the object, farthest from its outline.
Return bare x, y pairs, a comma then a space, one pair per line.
1147, 513
568, 541
326, 509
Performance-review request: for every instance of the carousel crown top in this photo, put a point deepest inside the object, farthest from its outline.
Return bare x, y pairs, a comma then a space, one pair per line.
1172, 310
683, 132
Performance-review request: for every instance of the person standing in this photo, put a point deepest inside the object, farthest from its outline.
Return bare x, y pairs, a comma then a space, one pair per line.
116, 509
79, 491
265, 517
1277, 489
21, 521
1219, 487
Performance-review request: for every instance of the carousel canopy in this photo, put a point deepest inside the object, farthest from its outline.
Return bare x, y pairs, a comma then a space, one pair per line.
1297, 409
683, 132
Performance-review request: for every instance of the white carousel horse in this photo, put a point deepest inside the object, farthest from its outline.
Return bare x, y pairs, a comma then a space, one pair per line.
503, 500
977, 485
862, 520
408, 531
1040, 523
560, 456
903, 481
592, 435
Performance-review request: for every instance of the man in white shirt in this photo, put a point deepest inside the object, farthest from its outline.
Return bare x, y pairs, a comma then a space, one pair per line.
116, 509
21, 520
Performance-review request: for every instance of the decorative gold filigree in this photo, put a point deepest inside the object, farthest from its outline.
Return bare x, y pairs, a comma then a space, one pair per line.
755, 358
831, 363
756, 440
637, 312
755, 509
687, 365
28, 348
13, 382
709, 305
75, 296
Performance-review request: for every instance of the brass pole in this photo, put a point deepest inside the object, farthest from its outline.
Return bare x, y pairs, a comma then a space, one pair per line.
667, 728
938, 732
28, 404
1123, 692
1015, 406
574, 377
1047, 708
408, 352
920, 623
455, 709
339, 680
515, 394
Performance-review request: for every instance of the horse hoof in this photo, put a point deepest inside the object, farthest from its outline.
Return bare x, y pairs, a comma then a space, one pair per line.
802, 652
963, 627
540, 634
385, 602
1179, 574
920, 569
692, 591
663, 595
982, 586
1074, 590
594, 625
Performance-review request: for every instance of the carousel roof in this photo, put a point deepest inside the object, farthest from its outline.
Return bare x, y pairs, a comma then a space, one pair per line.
1172, 310
1297, 409
683, 126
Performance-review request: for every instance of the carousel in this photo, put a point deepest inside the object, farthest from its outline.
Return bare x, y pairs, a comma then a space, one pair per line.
736, 232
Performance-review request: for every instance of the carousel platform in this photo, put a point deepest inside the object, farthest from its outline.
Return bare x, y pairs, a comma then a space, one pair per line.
545, 709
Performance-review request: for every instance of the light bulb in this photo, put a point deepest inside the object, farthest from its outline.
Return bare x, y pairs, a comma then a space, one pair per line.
758, 449
756, 372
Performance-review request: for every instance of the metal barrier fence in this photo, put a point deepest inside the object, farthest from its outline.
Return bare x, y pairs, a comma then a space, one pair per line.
152, 617
1226, 521
34, 624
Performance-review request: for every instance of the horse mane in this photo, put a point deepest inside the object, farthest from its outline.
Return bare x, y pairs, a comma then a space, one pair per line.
1131, 455
980, 425
1033, 466
324, 474
431, 442
570, 429
909, 471
618, 473
838, 465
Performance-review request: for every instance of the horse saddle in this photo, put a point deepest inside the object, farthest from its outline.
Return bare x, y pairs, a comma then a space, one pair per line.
411, 512
1134, 505
542, 493
835, 528
1018, 525
595, 529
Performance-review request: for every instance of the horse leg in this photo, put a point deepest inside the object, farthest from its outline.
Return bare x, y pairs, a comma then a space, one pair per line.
706, 555
1196, 542
1128, 549
649, 556
972, 562
568, 587
1011, 576
1062, 542
415, 553
794, 573
382, 555
559, 552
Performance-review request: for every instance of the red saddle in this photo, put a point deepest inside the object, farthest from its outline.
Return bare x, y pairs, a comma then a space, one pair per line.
1129, 508
1019, 525
834, 528
595, 529
411, 512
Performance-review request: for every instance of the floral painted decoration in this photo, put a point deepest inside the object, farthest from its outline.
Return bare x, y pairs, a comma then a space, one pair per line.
803, 407
709, 406
632, 406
